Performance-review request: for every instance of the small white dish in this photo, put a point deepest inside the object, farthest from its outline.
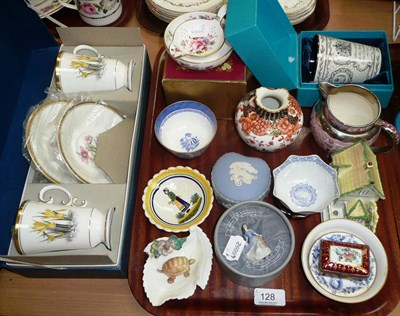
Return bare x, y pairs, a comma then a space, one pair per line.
195, 62
305, 184
197, 250
42, 143
177, 198
186, 128
198, 37
357, 231
78, 131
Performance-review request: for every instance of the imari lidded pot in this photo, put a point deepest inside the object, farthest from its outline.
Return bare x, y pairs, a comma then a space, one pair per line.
268, 119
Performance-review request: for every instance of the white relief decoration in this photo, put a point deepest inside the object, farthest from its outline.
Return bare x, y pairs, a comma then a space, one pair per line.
242, 173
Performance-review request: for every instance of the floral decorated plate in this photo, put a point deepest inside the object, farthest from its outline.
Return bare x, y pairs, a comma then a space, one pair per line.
177, 198
167, 10
221, 54
42, 144
47, 6
335, 284
344, 289
197, 37
78, 131
176, 266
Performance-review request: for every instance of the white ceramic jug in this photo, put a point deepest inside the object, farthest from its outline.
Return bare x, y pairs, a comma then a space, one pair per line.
82, 73
43, 226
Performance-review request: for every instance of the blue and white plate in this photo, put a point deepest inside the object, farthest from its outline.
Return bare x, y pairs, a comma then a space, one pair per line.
344, 290
335, 284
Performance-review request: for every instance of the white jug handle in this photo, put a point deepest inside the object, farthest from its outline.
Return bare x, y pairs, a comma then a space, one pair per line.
71, 200
68, 5
78, 48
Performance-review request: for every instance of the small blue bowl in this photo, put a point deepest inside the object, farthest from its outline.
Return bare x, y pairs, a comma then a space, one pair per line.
186, 128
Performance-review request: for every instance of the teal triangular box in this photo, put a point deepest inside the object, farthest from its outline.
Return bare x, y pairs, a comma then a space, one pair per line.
263, 37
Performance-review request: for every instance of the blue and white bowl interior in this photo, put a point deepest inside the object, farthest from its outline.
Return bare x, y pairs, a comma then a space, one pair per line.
186, 127
305, 184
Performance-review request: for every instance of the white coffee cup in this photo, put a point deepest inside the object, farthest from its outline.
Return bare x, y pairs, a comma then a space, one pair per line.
44, 227
76, 72
341, 61
96, 12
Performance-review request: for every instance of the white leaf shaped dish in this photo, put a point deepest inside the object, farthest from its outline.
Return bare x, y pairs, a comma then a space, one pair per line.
158, 290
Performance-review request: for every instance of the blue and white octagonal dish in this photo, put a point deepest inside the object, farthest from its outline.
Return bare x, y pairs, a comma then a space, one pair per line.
305, 184
186, 128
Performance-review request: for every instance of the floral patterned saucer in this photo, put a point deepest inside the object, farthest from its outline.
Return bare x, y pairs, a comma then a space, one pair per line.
344, 289
41, 141
177, 198
78, 131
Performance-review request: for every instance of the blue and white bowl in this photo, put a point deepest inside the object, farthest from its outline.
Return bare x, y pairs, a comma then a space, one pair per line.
186, 128
305, 184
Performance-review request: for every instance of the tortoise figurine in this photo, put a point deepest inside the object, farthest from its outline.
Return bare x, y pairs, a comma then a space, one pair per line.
175, 267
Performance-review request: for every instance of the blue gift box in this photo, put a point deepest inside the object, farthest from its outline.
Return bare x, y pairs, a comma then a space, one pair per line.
261, 34
28, 58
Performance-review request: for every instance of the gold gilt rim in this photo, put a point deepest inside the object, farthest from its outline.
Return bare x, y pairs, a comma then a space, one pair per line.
18, 218
57, 71
28, 128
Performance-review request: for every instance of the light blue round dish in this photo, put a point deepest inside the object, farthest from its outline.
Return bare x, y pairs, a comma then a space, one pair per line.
237, 178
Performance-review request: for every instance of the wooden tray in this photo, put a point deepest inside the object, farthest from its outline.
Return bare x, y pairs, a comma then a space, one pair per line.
221, 296
316, 21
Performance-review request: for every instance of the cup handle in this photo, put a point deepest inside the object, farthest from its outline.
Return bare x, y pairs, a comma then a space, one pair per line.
68, 5
71, 200
394, 135
78, 48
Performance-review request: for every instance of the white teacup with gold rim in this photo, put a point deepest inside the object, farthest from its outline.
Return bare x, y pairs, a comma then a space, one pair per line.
77, 72
42, 226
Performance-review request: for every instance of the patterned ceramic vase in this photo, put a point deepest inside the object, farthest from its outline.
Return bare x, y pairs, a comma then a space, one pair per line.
268, 119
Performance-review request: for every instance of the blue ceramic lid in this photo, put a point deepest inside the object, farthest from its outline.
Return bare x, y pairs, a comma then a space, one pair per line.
237, 178
264, 27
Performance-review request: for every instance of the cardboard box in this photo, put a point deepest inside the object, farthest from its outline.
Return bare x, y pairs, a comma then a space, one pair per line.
220, 88
263, 37
120, 43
